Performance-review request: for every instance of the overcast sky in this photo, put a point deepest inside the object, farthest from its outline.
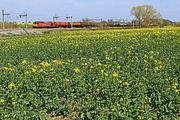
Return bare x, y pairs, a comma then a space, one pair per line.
106, 9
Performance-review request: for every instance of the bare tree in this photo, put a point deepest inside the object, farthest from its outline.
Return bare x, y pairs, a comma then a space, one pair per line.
145, 14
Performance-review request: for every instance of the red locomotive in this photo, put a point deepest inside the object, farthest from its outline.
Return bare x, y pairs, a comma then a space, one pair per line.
40, 24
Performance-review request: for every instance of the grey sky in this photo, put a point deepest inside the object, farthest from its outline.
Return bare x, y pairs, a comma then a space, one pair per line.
106, 9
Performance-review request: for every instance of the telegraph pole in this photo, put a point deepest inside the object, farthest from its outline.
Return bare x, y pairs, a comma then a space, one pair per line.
55, 18
24, 15
3, 16
70, 17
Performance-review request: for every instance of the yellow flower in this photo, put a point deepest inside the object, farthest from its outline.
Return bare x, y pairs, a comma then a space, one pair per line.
160, 66
177, 91
26, 73
118, 67
2, 101
108, 66
156, 68
151, 52
174, 87
105, 74
90, 59
12, 86
99, 64
24, 62
145, 56
58, 62
96, 80
41, 70
45, 64
34, 68
77, 70
126, 83
13, 103
8, 69
97, 89
120, 81
151, 57
5, 68
91, 67
115, 74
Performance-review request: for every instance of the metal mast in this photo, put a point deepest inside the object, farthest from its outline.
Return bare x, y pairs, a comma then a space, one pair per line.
24, 15
3, 16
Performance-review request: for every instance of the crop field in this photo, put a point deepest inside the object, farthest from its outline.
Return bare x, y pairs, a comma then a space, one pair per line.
91, 75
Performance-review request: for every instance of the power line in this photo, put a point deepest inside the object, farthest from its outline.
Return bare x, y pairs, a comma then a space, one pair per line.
24, 15
3, 16
70, 17
55, 18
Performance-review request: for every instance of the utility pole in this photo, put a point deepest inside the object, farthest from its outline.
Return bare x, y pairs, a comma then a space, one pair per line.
55, 18
24, 15
70, 17
3, 16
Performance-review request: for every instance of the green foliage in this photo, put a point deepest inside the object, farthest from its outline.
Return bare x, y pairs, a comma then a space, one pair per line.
100, 74
8, 25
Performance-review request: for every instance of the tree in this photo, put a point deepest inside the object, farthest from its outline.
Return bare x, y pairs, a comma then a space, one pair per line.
145, 14
86, 20
177, 24
166, 22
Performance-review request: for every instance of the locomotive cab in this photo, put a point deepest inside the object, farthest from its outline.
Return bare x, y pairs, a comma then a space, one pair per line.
39, 24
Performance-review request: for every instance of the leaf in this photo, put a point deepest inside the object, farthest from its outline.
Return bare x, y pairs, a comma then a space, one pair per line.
88, 115
82, 116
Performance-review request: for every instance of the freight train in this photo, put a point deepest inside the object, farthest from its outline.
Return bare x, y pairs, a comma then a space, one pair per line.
41, 24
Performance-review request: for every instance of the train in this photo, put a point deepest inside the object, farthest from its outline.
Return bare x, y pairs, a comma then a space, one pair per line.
42, 24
